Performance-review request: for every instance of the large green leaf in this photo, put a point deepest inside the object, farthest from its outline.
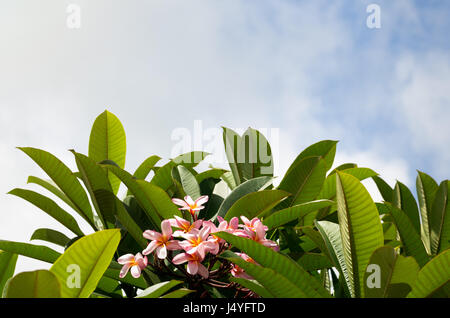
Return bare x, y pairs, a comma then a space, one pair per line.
159, 200
295, 212
433, 279
426, 192
95, 178
232, 141
331, 235
385, 189
42, 253
108, 142
276, 284
256, 203
37, 284
92, 254
254, 155
159, 289
303, 180
48, 255
64, 179
50, 207
187, 180
314, 261
51, 236
412, 243
404, 200
179, 293
247, 187
280, 263
325, 149
329, 186
396, 274
53, 188
360, 227
7, 266
144, 168
440, 219
135, 188
190, 159
213, 173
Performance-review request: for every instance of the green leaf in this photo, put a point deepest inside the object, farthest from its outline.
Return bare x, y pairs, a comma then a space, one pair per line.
190, 159
53, 188
95, 178
159, 200
303, 180
396, 275
7, 266
187, 181
281, 264
275, 283
92, 254
329, 186
214, 173
232, 142
325, 149
50, 207
385, 189
256, 204
37, 284
108, 142
179, 293
360, 227
247, 187
159, 289
433, 278
440, 219
141, 196
144, 169
426, 192
404, 200
163, 176
298, 211
254, 155
253, 285
228, 178
51, 236
64, 179
42, 253
314, 261
120, 212
343, 167
332, 237
412, 243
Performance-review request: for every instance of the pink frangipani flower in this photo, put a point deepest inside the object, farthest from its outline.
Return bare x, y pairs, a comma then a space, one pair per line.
136, 263
237, 271
258, 234
197, 242
184, 225
194, 266
192, 206
161, 242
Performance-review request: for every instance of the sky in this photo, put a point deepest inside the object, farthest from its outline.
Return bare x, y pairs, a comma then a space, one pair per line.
304, 70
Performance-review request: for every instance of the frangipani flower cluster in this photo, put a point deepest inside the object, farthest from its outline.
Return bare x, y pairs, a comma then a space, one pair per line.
193, 240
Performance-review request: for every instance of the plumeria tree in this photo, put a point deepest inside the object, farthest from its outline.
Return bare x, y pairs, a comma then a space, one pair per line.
177, 233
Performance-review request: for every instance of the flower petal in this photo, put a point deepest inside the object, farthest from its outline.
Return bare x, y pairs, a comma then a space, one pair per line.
161, 251
181, 258
189, 200
151, 235
192, 267
166, 228
124, 270
179, 202
135, 271
173, 245
202, 271
201, 200
150, 247
125, 259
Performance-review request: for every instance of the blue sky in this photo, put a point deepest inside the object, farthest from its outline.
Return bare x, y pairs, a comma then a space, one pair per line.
312, 69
